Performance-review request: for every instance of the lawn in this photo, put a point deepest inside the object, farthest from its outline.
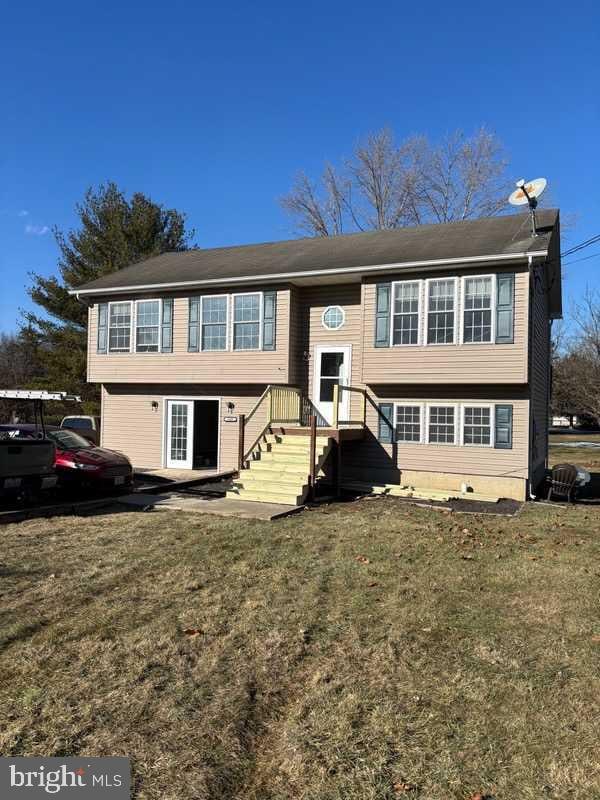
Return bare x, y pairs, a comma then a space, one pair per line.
588, 458
362, 650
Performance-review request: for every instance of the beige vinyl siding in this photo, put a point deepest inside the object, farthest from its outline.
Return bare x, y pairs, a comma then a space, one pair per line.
371, 460
459, 363
314, 301
540, 375
297, 339
230, 367
130, 425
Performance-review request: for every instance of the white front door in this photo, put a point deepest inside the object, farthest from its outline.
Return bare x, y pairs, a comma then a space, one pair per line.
180, 433
332, 365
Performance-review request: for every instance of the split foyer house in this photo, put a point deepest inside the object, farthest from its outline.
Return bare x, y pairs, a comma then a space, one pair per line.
418, 356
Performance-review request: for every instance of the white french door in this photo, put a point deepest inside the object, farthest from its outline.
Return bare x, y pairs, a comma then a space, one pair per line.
180, 433
332, 365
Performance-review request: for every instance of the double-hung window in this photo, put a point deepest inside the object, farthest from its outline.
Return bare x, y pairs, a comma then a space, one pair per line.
147, 326
441, 424
214, 322
247, 321
119, 327
408, 423
405, 310
477, 425
441, 310
478, 305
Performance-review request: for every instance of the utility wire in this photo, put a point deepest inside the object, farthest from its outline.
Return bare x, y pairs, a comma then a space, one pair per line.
581, 246
585, 258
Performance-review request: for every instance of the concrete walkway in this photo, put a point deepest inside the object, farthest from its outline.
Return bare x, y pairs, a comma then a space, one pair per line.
172, 501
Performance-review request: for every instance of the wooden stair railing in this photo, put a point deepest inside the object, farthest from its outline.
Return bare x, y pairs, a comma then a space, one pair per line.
287, 405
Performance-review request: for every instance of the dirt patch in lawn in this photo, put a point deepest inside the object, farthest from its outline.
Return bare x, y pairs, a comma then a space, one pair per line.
360, 650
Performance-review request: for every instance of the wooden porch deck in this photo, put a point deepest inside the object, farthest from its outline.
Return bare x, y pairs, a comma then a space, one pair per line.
339, 434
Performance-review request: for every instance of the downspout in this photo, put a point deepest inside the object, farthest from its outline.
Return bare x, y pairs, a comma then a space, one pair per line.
532, 496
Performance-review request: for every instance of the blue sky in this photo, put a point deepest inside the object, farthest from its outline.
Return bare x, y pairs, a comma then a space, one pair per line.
213, 107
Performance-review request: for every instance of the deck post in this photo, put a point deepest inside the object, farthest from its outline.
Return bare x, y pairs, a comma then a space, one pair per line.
364, 408
336, 405
338, 468
241, 426
313, 454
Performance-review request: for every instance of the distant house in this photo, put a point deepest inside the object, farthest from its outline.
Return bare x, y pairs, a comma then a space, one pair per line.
423, 354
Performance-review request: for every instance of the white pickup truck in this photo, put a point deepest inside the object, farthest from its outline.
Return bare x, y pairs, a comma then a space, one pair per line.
89, 427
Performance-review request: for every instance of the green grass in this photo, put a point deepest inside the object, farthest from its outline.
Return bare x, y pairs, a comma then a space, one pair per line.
589, 458
365, 650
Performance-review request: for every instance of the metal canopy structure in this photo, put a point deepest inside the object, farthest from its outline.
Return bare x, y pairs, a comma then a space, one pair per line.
38, 394
38, 397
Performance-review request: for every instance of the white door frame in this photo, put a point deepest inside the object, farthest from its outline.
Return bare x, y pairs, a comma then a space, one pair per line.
344, 409
165, 426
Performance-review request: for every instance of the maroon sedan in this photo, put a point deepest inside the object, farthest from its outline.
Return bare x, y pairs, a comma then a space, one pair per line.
79, 461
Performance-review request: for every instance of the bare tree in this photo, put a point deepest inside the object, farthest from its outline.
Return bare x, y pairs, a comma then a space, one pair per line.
576, 374
385, 185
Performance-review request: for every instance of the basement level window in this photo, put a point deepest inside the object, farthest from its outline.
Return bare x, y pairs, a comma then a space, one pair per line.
333, 318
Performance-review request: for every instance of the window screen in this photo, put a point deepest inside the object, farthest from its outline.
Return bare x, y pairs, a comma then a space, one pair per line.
440, 311
214, 323
406, 313
119, 328
408, 423
477, 425
246, 322
477, 323
442, 425
147, 322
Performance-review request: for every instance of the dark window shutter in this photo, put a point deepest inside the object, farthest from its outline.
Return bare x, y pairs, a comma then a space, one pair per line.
194, 325
382, 315
386, 423
166, 328
102, 327
269, 315
505, 308
504, 425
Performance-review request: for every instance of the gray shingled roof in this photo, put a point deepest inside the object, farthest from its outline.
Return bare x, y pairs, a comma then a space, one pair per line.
490, 236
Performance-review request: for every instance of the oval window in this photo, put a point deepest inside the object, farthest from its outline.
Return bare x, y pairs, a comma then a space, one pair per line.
333, 318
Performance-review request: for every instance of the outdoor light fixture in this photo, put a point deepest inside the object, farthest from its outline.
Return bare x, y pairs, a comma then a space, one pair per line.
154, 405
230, 406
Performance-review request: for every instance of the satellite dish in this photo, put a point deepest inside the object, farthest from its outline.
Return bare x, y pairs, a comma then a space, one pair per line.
526, 192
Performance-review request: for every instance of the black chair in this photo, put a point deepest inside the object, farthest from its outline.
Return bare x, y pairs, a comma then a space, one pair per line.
563, 482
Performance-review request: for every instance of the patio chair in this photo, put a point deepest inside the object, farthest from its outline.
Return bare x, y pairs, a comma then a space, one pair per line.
563, 482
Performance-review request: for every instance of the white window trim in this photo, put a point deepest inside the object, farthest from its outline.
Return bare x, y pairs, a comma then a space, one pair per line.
492, 423
227, 336
463, 281
457, 310
131, 327
330, 308
260, 322
133, 338
420, 339
422, 411
457, 432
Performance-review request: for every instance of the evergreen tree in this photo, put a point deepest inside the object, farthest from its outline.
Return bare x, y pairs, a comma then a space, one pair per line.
113, 233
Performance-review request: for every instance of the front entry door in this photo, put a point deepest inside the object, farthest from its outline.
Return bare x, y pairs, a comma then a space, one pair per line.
332, 365
180, 434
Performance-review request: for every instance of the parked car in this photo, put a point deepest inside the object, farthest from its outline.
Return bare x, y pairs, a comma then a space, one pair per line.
77, 460
84, 426
26, 465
